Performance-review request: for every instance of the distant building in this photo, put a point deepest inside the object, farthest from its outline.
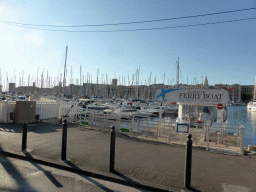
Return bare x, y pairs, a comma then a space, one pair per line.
12, 87
206, 85
34, 87
220, 86
114, 82
247, 88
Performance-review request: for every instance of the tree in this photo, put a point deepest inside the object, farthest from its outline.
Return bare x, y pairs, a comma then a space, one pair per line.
246, 96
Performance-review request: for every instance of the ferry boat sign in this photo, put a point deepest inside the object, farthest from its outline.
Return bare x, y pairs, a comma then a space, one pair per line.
202, 96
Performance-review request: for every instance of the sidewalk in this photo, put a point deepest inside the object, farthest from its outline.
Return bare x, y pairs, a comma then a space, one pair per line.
147, 162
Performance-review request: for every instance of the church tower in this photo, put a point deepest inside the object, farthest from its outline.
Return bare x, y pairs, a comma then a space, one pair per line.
206, 85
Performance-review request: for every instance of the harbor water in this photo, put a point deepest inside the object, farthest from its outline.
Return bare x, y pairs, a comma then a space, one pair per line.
235, 115
240, 115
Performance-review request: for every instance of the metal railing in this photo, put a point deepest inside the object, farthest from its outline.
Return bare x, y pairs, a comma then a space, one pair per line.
222, 138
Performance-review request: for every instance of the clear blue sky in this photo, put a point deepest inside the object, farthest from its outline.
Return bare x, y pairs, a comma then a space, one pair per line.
225, 53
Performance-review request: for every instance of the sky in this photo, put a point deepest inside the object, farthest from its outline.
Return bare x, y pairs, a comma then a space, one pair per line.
224, 52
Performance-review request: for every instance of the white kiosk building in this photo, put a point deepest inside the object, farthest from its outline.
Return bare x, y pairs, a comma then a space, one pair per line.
197, 104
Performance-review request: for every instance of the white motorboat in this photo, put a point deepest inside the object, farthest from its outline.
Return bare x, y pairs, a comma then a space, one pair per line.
155, 110
252, 105
142, 114
170, 109
124, 112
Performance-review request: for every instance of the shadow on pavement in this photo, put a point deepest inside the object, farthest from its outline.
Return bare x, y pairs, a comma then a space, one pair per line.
126, 178
88, 178
37, 127
135, 184
193, 189
16, 175
47, 173
122, 176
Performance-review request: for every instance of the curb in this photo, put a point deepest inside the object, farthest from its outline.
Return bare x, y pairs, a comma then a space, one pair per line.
91, 173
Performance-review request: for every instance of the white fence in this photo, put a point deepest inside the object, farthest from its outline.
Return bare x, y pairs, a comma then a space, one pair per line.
162, 130
223, 139
68, 110
47, 110
7, 109
3, 111
44, 110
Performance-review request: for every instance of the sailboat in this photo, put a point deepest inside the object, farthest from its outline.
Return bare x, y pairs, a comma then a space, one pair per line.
252, 104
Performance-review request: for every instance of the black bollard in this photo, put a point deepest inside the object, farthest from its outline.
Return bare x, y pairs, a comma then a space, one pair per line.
64, 140
112, 149
24, 137
188, 163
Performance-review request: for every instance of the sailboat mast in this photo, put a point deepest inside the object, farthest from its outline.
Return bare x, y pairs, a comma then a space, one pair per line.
254, 92
178, 72
80, 75
64, 79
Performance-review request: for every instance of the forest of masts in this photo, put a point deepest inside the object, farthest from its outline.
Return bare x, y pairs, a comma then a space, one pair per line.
44, 80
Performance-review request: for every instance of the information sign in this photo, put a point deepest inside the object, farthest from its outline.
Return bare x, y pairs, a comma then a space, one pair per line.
182, 128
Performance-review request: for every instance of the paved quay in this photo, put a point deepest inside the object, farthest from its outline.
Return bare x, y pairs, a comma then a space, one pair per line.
148, 163
20, 175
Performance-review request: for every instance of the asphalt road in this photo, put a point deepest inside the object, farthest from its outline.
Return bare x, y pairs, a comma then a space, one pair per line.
160, 164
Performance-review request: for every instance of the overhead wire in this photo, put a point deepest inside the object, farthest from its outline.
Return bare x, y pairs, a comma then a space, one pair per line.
139, 29
129, 23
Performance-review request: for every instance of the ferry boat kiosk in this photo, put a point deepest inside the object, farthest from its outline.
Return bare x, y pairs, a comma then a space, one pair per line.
201, 112
191, 101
